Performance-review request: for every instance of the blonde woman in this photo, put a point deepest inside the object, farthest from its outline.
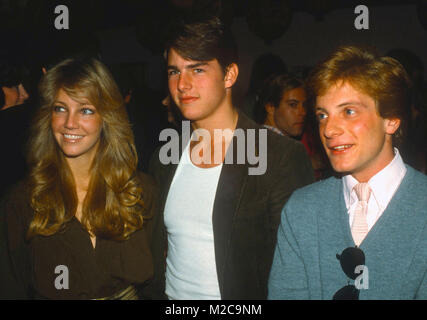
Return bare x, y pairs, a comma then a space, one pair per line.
79, 226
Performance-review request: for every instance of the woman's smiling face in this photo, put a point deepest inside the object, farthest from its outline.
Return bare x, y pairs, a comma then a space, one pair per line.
76, 126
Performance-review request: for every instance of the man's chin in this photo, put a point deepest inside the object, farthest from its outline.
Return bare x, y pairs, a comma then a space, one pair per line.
341, 169
189, 113
192, 116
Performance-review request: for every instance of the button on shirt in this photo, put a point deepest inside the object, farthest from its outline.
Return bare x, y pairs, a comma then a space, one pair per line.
383, 186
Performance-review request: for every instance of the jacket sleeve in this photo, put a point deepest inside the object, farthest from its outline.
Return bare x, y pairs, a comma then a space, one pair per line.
150, 198
293, 171
155, 288
288, 279
15, 261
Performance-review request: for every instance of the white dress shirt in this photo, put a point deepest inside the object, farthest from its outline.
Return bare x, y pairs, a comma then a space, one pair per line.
383, 187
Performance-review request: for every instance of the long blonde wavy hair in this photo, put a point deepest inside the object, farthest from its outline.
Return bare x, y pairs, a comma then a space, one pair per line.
113, 206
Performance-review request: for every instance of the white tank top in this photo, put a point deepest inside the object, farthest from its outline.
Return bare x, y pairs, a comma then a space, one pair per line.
191, 268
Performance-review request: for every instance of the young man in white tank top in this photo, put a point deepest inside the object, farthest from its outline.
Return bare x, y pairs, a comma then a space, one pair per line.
217, 223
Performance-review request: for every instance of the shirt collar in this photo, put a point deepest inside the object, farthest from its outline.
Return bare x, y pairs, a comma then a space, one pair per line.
383, 184
273, 129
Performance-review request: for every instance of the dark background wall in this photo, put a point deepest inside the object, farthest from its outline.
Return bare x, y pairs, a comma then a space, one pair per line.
307, 39
131, 31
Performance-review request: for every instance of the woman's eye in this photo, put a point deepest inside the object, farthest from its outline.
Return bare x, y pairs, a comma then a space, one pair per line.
58, 109
88, 111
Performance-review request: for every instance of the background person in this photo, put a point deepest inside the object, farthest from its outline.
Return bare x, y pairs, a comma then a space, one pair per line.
281, 105
16, 112
281, 108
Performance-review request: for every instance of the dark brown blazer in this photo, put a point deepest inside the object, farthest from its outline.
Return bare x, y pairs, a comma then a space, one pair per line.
245, 218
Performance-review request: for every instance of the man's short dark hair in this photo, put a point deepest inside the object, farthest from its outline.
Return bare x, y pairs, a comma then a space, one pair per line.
204, 40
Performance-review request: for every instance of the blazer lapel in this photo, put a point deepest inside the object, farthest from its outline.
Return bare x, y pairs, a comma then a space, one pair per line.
231, 184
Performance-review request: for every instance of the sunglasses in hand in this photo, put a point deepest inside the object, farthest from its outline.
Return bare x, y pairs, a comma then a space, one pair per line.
351, 260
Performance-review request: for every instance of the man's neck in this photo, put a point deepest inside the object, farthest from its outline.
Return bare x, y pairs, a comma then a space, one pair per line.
366, 174
223, 118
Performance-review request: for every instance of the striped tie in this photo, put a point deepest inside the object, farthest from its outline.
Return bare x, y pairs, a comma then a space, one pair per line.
359, 229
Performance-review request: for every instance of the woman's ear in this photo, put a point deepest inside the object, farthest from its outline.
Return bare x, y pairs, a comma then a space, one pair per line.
231, 75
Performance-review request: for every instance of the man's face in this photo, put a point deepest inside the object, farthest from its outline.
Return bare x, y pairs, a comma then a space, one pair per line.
197, 88
356, 139
289, 116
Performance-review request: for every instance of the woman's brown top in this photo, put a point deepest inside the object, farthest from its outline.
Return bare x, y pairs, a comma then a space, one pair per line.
111, 266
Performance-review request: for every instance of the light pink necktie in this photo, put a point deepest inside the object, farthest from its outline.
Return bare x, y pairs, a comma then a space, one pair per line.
359, 229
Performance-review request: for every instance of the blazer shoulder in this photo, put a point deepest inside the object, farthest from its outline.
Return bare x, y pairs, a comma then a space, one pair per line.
279, 139
284, 146
157, 169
